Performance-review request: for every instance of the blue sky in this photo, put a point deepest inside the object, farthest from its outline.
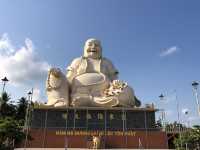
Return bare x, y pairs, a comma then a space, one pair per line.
154, 44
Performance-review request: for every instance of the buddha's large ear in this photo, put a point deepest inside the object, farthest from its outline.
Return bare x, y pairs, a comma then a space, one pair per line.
48, 87
137, 102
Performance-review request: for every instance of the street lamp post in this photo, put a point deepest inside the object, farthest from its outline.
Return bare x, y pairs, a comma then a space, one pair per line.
162, 111
27, 119
195, 90
27, 110
4, 80
186, 113
179, 120
178, 114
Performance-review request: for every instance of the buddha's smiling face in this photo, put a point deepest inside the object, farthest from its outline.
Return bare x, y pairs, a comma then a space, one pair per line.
92, 49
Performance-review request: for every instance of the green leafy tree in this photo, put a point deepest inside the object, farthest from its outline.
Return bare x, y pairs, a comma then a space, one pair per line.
10, 133
189, 140
11, 121
158, 123
6, 108
21, 110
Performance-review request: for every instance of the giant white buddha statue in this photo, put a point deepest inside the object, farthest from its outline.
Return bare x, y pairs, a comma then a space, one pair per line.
92, 82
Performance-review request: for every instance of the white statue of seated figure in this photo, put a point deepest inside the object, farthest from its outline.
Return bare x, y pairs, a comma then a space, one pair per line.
93, 80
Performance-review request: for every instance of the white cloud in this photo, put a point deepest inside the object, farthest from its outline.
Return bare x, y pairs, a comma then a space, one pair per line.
193, 118
36, 95
6, 48
22, 66
169, 51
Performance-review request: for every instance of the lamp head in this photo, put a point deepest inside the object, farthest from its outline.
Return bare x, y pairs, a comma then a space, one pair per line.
161, 96
29, 93
5, 79
195, 84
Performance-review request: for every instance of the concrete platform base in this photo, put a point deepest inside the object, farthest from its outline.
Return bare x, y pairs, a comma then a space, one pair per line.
75, 149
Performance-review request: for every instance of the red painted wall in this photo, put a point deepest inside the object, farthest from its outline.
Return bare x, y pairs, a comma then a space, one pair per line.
49, 139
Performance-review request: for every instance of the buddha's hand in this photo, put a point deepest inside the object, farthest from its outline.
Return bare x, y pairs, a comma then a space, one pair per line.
116, 87
117, 84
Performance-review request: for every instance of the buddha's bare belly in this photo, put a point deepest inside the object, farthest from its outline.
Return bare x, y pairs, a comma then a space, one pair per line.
89, 84
89, 90
89, 79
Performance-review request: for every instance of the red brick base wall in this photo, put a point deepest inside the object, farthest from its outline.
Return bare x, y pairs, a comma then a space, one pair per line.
77, 139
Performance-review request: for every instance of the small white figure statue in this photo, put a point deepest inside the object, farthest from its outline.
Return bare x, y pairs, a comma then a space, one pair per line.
96, 142
57, 88
92, 81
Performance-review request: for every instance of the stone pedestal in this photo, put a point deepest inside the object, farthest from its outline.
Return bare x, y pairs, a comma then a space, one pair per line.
75, 127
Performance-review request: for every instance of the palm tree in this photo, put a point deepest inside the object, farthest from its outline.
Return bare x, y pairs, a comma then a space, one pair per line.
6, 108
21, 108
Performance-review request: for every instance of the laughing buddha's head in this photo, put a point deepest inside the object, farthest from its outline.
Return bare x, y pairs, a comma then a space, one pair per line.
92, 49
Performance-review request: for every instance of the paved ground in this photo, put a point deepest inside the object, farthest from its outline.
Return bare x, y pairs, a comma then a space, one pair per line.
73, 149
